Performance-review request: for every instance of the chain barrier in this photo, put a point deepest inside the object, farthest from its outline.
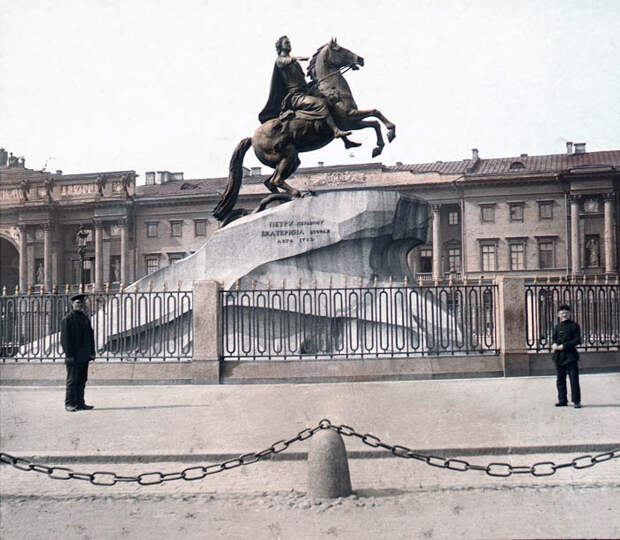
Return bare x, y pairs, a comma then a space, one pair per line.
501, 470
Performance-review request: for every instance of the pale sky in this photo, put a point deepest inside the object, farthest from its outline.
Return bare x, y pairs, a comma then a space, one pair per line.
103, 85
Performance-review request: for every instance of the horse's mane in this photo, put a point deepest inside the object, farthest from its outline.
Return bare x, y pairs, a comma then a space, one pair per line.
312, 65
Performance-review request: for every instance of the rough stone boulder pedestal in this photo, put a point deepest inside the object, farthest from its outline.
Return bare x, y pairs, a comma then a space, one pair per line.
353, 238
353, 235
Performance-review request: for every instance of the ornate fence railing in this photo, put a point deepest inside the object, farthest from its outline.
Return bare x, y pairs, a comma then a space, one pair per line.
129, 326
595, 307
355, 323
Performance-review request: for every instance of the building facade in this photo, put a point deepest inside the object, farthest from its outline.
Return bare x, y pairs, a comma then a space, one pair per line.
530, 216
40, 214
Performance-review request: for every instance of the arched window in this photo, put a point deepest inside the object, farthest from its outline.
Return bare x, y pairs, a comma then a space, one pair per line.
516, 165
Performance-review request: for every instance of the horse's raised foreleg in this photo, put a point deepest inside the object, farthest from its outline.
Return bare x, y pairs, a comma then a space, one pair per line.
359, 124
365, 113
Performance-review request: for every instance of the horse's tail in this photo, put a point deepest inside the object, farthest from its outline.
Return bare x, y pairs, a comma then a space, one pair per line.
235, 175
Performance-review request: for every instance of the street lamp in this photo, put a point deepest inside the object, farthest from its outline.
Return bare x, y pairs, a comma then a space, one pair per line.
82, 238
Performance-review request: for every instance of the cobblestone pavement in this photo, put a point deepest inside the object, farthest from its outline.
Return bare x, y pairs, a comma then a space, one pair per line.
518, 512
137, 430
394, 498
234, 419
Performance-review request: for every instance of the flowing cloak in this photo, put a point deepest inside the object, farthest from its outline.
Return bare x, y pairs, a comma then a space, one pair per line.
277, 92
288, 86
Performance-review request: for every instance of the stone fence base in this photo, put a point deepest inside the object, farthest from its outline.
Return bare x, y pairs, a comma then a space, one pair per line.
430, 367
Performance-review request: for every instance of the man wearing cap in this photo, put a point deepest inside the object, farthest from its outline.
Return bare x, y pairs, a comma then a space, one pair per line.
566, 337
78, 342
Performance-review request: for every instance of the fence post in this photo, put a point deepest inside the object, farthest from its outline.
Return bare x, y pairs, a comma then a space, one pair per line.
511, 320
207, 331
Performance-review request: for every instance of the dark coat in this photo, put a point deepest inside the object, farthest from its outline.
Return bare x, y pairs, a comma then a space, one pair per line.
77, 337
568, 334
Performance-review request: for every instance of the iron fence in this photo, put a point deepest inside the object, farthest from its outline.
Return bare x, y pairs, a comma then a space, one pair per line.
129, 326
356, 323
595, 307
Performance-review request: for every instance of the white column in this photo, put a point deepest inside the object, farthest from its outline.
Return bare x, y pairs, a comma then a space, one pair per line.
574, 235
610, 235
47, 256
23, 260
436, 242
98, 255
124, 251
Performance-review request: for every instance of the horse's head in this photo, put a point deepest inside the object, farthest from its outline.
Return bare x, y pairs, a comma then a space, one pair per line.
330, 58
337, 56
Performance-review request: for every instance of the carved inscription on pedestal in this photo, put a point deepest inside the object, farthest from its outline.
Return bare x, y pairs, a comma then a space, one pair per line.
295, 232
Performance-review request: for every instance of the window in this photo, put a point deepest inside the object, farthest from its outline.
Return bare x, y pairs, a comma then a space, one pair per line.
150, 178
545, 209
152, 229
592, 245
453, 217
426, 261
174, 257
488, 257
517, 255
152, 263
200, 227
487, 213
176, 228
38, 234
454, 259
546, 254
516, 211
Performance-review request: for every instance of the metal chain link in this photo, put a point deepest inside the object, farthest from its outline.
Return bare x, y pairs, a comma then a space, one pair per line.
542, 468
503, 470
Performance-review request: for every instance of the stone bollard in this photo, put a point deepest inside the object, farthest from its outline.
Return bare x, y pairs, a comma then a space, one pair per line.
328, 468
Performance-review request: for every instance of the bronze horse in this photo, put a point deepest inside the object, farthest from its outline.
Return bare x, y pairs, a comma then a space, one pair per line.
278, 142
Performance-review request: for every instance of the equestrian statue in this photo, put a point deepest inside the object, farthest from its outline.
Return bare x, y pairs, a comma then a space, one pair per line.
300, 117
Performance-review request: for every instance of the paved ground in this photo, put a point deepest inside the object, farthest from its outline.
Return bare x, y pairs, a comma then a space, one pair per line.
168, 428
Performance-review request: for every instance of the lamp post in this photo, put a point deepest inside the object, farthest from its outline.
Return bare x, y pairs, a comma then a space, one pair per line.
82, 238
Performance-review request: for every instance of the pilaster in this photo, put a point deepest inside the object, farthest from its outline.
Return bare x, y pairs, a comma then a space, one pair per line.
609, 235
575, 235
98, 255
436, 242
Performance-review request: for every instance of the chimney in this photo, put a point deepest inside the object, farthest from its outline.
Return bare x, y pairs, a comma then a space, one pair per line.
161, 177
569, 147
580, 148
474, 154
320, 163
58, 171
399, 163
523, 156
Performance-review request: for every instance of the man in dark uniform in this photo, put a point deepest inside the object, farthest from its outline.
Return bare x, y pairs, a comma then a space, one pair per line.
78, 342
566, 337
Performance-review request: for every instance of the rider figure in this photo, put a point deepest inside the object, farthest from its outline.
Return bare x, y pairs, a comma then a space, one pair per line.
289, 91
